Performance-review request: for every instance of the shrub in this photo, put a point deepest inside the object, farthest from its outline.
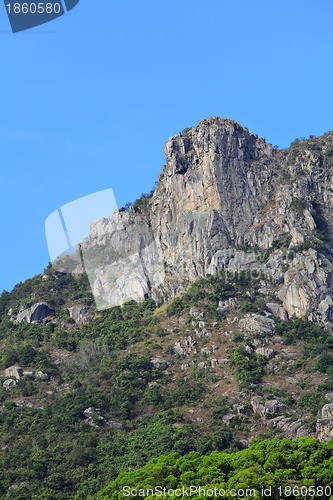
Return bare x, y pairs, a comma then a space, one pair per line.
176, 307
329, 152
324, 362
298, 205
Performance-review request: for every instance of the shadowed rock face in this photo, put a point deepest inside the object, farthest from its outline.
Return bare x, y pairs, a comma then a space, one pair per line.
35, 314
80, 314
209, 193
222, 188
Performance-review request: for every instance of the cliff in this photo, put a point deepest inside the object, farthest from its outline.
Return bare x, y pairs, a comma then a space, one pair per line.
225, 200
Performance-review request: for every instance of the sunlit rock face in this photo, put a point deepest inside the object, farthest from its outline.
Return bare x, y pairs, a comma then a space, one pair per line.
224, 197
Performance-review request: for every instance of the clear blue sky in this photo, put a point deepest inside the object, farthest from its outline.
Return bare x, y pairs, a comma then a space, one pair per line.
88, 100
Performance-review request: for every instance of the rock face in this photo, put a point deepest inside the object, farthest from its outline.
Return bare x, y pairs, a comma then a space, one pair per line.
290, 428
271, 406
309, 291
277, 310
13, 371
221, 189
9, 384
325, 423
258, 323
80, 314
266, 352
35, 314
207, 198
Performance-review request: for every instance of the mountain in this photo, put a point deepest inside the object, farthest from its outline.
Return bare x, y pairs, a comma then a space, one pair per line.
229, 336
227, 200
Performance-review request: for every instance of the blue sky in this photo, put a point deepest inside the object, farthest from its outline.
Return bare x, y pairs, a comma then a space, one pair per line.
88, 100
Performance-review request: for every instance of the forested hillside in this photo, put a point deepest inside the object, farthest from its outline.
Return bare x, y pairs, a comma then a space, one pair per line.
234, 345
275, 468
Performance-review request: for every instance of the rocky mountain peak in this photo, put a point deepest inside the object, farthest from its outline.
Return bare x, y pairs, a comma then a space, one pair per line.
227, 200
210, 139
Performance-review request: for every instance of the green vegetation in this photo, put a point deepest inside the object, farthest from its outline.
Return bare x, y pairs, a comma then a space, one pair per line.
143, 405
63, 457
296, 143
285, 175
329, 152
314, 243
56, 290
141, 205
209, 291
316, 341
321, 223
249, 368
183, 160
274, 464
298, 205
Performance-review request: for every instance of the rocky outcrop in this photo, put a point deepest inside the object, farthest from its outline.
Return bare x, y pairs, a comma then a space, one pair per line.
185, 346
13, 371
94, 419
218, 362
228, 419
325, 423
80, 314
307, 289
291, 429
266, 352
206, 199
257, 323
226, 200
9, 384
37, 313
271, 406
277, 310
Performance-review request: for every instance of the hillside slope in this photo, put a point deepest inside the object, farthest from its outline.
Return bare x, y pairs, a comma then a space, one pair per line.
236, 345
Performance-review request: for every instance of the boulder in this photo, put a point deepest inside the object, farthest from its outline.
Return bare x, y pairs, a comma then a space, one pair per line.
37, 313
264, 351
327, 411
194, 311
158, 362
178, 348
80, 314
227, 419
90, 411
9, 384
257, 323
290, 429
271, 406
13, 371
277, 310
225, 304
114, 424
